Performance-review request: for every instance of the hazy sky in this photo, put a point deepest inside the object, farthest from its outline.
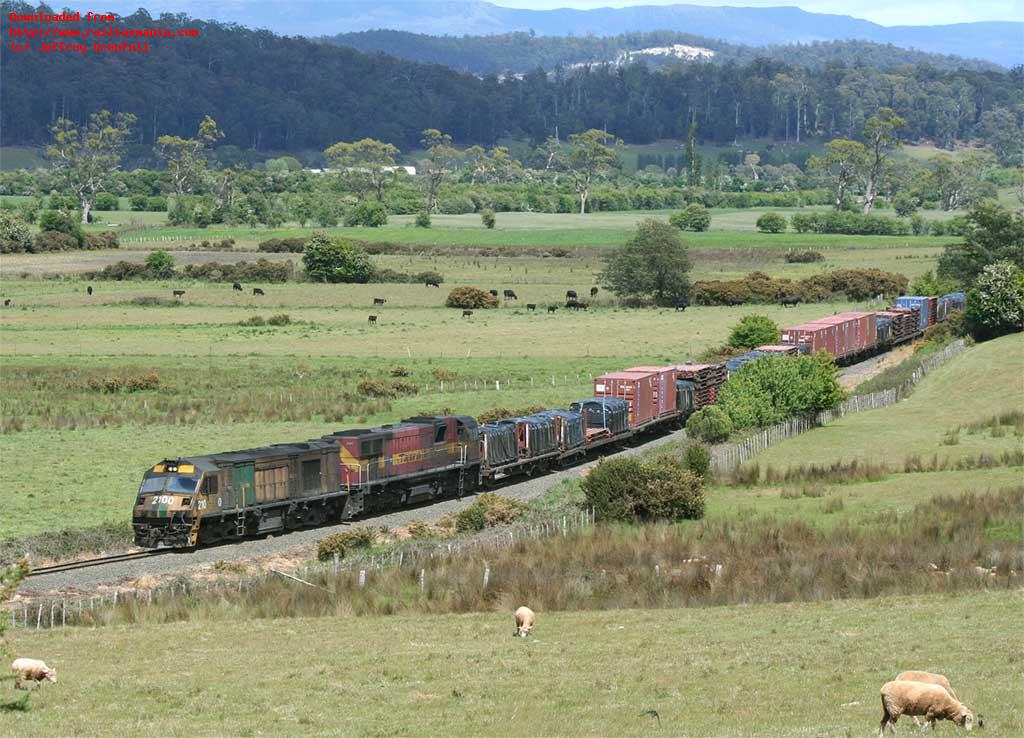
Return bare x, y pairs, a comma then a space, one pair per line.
886, 13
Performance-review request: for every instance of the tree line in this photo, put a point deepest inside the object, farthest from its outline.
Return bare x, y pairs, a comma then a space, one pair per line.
288, 94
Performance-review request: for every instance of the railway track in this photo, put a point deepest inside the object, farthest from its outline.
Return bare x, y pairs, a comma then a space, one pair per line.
101, 561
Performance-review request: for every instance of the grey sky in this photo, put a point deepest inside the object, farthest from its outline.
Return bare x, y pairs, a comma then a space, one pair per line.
906, 12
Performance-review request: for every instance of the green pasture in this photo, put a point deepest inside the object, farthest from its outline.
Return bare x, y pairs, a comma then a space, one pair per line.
808, 669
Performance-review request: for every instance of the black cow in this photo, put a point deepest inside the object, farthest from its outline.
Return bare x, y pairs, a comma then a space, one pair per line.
431, 283
7, 303
571, 295
790, 300
734, 301
89, 290
178, 293
494, 293
552, 308
467, 313
237, 287
531, 306
372, 320
510, 295
681, 304
257, 291
593, 291
572, 305
379, 301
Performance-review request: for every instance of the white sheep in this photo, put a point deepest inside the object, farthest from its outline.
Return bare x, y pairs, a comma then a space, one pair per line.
525, 618
928, 678
32, 670
918, 698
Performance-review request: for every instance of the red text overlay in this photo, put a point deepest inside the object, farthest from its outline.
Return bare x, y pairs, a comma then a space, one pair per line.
63, 33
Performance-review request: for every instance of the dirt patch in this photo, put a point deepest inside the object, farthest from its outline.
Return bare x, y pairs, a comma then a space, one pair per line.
857, 374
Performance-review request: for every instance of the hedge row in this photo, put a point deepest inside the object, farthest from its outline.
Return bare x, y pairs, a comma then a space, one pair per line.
758, 287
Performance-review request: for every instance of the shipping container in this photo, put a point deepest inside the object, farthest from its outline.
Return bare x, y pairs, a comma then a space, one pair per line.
814, 336
498, 444
857, 331
922, 304
664, 388
636, 388
603, 413
569, 430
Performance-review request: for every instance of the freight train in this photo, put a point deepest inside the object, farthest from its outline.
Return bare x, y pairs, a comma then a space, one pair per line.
186, 502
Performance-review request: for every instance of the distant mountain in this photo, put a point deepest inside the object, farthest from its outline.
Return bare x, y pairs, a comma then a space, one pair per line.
999, 42
521, 52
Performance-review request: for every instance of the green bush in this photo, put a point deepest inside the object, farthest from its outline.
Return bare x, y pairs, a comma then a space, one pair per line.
771, 223
342, 543
904, 204
698, 460
260, 270
160, 264
423, 220
53, 241
710, 424
156, 204
62, 221
15, 235
104, 240
995, 305
753, 331
336, 260
279, 319
487, 511
630, 490
487, 218
471, 298
776, 388
694, 217
368, 213
137, 203
804, 257
283, 245
104, 201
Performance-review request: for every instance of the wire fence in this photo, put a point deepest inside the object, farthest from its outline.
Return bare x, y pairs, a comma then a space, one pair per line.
728, 457
63, 612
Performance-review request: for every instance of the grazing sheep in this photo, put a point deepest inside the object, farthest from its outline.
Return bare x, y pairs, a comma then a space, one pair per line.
928, 678
917, 698
525, 618
32, 670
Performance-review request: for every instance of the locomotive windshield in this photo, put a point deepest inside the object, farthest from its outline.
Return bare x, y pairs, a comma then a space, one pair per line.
173, 484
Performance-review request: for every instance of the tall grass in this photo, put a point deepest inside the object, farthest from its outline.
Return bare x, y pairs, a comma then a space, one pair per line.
933, 549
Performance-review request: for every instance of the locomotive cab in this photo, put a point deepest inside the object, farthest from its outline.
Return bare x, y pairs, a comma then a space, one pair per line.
164, 512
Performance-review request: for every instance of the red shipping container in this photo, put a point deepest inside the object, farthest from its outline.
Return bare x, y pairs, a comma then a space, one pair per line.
637, 388
815, 336
664, 389
858, 331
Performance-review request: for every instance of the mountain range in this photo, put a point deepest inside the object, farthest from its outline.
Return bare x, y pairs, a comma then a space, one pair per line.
1001, 42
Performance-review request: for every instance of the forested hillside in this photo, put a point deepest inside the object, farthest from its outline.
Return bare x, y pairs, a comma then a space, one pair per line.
272, 92
522, 51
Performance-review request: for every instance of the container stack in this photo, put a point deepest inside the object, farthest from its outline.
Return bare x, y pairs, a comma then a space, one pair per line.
706, 378
664, 387
922, 304
639, 389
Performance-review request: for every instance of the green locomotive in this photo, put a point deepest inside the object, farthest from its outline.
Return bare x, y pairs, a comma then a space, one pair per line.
205, 499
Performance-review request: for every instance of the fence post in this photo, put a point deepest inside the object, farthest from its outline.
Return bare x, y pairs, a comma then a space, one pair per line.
362, 578
487, 576
39, 617
423, 579
63, 613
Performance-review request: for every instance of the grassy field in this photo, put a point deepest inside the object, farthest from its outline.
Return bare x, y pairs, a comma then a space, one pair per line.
784, 670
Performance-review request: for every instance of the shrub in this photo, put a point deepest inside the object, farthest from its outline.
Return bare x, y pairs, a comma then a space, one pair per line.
422, 220
283, 245
375, 388
428, 276
138, 203
156, 204
803, 257
802, 222
342, 543
279, 319
62, 221
367, 213
710, 424
487, 218
336, 260
128, 383
15, 235
104, 240
445, 375
398, 371
260, 270
471, 298
695, 217
698, 460
995, 305
752, 331
53, 241
630, 490
487, 511
120, 271
498, 413
904, 204
160, 265
771, 223
104, 201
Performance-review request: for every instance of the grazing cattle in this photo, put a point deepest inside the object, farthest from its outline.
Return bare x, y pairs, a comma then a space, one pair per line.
7, 303
236, 287
525, 618
431, 283
257, 291
593, 291
576, 305
571, 295
681, 304
372, 320
930, 701
88, 290
379, 301
510, 295
552, 308
734, 301
467, 313
32, 670
790, 300
531, 306
494, 293
178, 293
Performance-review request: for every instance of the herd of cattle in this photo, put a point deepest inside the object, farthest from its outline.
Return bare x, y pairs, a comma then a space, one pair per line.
916, 694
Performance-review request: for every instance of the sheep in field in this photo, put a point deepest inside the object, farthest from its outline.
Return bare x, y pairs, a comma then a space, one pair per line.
918, 698
928, 678
32, 670
525, 618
